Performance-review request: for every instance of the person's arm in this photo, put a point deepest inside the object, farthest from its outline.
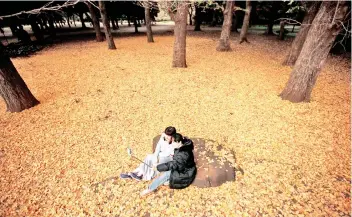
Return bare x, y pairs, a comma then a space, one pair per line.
158, 147
178, 163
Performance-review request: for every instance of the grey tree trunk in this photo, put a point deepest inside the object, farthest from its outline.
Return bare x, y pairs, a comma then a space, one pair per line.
224, 42
148, 23
323, 31
108, 36
180, 31
96, 23
245, 25
300, 38
13, 89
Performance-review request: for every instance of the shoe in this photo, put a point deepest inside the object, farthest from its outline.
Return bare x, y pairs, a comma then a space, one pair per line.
145, 192
136, 177
125, 176
167, 183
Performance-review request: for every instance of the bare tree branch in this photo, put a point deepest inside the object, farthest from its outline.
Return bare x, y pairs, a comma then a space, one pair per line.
44, 8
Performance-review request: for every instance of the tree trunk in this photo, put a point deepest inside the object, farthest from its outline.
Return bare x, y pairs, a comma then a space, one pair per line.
51, 27
190, 15
36, 30
214, 20
180, 31
247, 16
13, 89
298, 42
68, 22
293, 28
96, 23
113, 24
197, 18
234, 25
82, 20
148, 23
74, 20
117, 23
135, 25
326, 25
282, 30
106, 25
129, 20
269, 30
224, 42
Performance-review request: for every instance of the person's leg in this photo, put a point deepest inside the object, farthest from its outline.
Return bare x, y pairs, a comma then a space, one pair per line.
164, 177
160, 180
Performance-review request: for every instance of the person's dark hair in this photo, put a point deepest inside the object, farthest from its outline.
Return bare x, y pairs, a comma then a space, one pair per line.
170, 131
178, 137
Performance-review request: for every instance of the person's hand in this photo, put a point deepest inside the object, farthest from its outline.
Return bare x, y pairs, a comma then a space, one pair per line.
155, 167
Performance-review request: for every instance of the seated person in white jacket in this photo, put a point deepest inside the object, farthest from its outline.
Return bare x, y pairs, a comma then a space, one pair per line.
164, 152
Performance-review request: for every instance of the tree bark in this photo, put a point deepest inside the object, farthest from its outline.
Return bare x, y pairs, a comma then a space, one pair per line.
96, 23
180, 31
36, 30
324, 29
113, 24
269, 30
148, 23
190, 15
234, 25
82, 20
135, 25
108, 36
224, 42
198, 18
245, 25
298, 42
282, 30
13, 89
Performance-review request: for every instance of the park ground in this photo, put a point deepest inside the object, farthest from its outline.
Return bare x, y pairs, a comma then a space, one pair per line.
94, 102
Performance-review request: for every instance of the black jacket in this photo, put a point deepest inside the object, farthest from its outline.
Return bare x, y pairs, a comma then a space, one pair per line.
183, 168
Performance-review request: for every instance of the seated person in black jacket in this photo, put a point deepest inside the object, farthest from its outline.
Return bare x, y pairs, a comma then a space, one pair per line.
181, 171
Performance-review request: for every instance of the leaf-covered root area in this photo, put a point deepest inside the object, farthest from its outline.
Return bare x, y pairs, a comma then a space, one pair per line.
60, 157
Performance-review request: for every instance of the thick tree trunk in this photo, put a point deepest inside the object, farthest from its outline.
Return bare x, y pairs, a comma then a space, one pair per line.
224, 42
180, 31
106, 25
282, 30
247, 16
148, 23
298, 42
82, 20
197, 18
326, 25
13, 89
96, 23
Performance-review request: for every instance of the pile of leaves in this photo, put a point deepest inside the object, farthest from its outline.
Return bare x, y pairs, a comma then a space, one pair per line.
63, 157
20, 49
